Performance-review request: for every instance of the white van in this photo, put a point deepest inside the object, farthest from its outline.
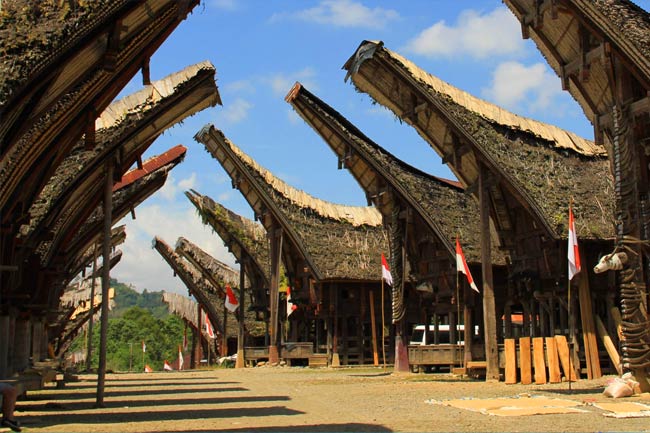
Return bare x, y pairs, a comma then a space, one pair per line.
421, 338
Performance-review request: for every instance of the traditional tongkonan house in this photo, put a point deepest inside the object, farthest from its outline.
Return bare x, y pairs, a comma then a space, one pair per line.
601, 51
86, 259
523, 174
223, 278
188, 310
331, 261
210, 304
425, 214
248, 242
64, 63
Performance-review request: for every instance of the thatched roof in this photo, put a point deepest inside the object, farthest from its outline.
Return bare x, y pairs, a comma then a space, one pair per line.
182, 306
243, 237
60, 66
74, 237
129, 125
85, 259
219, 275
580, 39
337, 242
197, 285
80, 291
441, 204
535, 167
217, 272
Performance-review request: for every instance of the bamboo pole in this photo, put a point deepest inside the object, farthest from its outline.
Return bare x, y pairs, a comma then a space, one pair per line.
383, 332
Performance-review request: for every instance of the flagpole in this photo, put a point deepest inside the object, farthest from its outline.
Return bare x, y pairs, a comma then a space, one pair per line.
383, 346
569, 302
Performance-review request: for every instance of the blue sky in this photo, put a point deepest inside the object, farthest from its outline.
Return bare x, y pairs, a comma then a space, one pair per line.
260, 48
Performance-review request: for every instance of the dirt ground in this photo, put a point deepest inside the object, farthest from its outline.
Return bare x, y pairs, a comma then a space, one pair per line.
271, 399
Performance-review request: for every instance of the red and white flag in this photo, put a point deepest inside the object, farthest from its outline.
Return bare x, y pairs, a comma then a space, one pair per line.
573, 253
461, 266
167, 366
181, 361
208, 327
385, 272
144, 347
231, 301
290, 305
148, 369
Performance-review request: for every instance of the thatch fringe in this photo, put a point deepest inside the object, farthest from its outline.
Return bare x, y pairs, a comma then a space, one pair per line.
182, 306
218, 270
561, 138
148, 97
355, 215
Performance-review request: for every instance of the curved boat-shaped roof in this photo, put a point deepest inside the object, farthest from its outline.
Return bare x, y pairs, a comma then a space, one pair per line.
336, 242
534, 167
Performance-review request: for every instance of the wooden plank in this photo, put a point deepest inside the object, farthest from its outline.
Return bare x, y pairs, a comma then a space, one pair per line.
616, 317
538, 360
588, 328
609, 345
563, 352
553, 362
524, 361
511, 360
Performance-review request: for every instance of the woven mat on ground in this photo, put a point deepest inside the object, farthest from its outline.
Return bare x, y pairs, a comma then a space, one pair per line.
624, 409
514, 406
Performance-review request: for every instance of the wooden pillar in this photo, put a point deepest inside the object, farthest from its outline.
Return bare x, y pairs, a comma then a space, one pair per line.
469, 326
89, 348
241, 360
361, 323
224, 337
274, 293
334, 298
22, 344
106, 275
37, 340
489, 315
373, 324
5, 346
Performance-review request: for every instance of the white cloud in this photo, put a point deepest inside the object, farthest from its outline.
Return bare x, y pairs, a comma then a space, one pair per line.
342, 13
479, 36
143, 266
171, 188
233, 112
515, 85
228, 5
282, 83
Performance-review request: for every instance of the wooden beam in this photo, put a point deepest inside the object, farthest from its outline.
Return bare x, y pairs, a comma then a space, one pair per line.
524, 361
538, 359
489, 311
563, 353
609, 345
552, 361
511, 360
588, 328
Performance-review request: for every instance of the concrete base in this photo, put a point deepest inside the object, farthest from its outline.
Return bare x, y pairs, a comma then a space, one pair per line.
401, 356
335, 360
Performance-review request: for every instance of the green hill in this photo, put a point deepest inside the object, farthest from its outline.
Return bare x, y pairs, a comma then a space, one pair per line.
126, 298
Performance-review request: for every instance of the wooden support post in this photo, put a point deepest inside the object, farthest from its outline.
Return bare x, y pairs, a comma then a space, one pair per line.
274, 293
106, 275
511, 360
89, 350
489, 314
563, 353
553, 362
21, 345
5, 346
373, 324
469, 325
538, 360
588, 328
224, 337
524, 361
334, 297
609, 345
241, 357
